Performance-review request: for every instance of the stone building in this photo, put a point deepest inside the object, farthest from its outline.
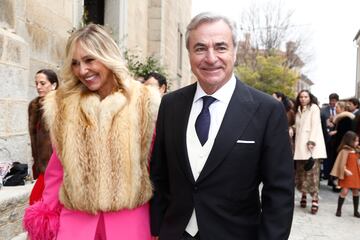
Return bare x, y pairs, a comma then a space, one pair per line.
33, 35
357, 42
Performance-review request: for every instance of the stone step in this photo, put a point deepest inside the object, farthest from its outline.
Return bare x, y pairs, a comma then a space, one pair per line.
13, 201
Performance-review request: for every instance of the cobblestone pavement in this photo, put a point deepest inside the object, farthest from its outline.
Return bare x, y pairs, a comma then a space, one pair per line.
322, 226
325, 225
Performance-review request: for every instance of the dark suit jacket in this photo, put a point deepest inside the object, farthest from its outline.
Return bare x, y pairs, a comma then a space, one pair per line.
226, 194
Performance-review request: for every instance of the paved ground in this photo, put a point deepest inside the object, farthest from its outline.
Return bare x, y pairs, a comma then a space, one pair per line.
322, 226
325, 225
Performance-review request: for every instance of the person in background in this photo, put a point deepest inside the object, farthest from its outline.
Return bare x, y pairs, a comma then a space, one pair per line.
328, 113
157, 80
101, 121
347, 170
353, 106
309, 142
343, 122
217, 141
289, 113
46, 80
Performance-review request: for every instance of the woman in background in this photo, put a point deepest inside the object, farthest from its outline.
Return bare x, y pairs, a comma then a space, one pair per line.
347, 170
46, 80
288, 105
309, 142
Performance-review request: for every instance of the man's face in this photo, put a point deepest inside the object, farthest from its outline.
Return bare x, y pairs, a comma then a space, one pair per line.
333, 102
352, 107
212, 55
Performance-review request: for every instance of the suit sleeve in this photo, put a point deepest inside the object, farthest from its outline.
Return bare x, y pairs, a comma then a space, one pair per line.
277, 173
158, 175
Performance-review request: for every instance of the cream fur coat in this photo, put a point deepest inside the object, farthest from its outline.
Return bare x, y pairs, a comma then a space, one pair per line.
103, 146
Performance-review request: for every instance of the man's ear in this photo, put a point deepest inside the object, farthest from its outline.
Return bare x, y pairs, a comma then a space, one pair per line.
53, 86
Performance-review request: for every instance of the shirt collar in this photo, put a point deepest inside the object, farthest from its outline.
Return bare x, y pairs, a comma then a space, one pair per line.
223, 94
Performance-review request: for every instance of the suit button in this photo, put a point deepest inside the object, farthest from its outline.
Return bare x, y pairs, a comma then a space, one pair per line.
196, 188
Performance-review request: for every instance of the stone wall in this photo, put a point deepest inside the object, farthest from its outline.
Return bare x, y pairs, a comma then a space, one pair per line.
32, 36
13, 201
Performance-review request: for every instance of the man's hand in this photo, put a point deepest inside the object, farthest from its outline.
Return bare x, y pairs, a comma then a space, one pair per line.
154, 238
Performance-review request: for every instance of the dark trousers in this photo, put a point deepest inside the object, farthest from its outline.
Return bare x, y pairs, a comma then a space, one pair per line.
187, 236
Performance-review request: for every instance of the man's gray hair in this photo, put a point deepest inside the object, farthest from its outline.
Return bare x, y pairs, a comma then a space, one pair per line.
209, 17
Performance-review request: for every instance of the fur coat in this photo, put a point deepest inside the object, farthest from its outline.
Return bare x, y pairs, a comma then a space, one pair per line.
39, 136
103, 146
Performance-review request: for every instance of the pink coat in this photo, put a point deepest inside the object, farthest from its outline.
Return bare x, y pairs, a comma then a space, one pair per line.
48, 219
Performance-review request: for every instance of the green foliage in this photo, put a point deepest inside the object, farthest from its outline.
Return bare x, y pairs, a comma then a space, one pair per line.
269, 75
140, 68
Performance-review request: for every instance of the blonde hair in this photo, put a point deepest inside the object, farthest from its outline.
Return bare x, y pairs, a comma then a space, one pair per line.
341, 105
98, 43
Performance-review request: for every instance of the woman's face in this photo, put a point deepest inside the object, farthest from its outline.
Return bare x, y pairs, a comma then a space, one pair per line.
304, 98
91, 72
356, 142
338, 109
43, 85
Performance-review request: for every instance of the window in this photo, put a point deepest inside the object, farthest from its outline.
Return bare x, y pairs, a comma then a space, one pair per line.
94, 11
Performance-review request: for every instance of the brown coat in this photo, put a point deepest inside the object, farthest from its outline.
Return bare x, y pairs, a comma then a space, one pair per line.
103, 146
39, 136
338, 169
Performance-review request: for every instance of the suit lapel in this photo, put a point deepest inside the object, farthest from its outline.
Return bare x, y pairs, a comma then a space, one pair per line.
240, 111
181, 118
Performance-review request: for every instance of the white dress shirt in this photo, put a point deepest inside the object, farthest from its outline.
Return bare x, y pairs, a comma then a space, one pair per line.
197, 153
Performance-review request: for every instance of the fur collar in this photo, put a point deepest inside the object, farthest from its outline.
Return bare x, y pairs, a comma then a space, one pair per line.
342, 115
103, 146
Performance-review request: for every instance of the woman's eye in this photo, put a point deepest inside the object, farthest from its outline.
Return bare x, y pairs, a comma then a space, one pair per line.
74, 63
89, 60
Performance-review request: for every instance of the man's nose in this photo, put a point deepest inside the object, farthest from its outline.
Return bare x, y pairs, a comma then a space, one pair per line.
211, 56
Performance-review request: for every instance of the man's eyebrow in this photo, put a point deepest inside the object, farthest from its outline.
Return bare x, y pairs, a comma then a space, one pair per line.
199, 44
221, 43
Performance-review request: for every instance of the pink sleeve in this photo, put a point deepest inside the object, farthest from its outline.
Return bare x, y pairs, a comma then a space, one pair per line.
41, 220
53, 180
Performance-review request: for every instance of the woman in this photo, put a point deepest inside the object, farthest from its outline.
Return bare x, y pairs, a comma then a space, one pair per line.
46, 80
309, 142
101, 124
289, 113
343, 122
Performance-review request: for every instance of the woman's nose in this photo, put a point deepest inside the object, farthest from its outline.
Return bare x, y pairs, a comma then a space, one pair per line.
83, 69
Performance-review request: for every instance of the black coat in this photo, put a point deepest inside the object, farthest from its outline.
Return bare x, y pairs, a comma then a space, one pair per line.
226, 194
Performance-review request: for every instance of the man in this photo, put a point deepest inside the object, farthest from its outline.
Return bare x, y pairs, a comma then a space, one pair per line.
353, 104
208, 187
157, 80
327, 114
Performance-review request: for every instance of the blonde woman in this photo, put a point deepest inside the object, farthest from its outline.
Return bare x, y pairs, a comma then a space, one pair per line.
309, 142
101, 122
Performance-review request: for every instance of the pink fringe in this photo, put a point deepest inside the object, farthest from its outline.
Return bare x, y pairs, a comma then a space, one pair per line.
41, 222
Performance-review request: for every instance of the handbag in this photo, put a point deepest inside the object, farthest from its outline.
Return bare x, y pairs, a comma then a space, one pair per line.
16, 175
309, 164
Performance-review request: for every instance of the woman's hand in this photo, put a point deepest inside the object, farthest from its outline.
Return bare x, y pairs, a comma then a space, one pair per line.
348, 172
